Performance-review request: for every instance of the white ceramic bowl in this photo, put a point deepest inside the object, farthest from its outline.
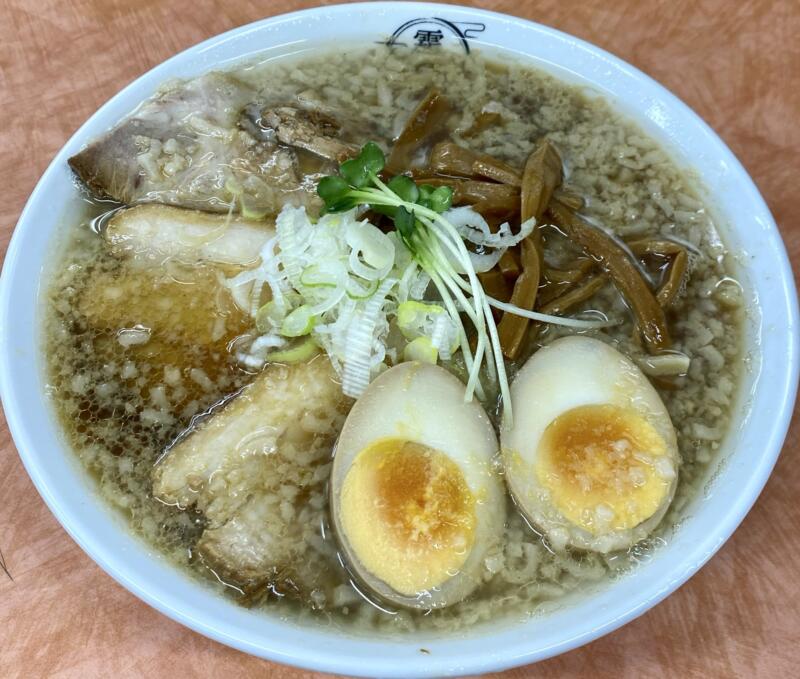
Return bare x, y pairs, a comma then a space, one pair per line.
750, 452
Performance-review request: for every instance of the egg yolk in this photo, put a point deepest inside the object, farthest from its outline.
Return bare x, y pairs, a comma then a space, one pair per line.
606, 467
408, 514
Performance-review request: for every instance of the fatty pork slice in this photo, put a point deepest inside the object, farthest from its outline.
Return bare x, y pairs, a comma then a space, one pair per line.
257, 467
184, 147
154, 233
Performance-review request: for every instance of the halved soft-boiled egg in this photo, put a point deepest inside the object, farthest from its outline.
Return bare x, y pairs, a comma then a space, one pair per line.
416, 498
591, 457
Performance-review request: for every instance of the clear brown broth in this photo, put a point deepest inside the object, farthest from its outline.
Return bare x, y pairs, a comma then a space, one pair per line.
104, 392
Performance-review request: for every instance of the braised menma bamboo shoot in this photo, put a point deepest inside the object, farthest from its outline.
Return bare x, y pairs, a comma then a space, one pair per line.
628, 279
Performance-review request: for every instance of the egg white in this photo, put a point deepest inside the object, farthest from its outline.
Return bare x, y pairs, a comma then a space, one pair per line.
571, 372
424, 404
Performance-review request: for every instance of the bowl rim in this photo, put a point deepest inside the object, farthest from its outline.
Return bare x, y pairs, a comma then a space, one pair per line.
299, 652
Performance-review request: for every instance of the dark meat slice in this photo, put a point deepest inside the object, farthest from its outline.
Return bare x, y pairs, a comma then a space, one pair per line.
184, 147
310, 130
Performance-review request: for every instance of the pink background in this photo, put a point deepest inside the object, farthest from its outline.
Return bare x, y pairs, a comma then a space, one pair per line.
736, 63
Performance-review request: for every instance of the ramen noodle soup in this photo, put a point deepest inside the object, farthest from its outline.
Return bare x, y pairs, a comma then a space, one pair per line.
392, 340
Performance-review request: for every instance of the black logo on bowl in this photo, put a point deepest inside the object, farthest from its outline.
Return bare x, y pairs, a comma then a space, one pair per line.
433, 32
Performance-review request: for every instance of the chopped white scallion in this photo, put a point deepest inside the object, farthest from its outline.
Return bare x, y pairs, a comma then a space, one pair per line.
339, 282
336, 282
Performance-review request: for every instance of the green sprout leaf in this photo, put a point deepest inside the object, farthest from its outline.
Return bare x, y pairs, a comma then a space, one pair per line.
355, 172
404, 221
343, 205
404, 187
425, 191
441, 199
372, 157
332, 190
388, 210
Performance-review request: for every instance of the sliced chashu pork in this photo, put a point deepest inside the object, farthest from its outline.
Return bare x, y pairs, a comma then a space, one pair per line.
257, 468
310, 130
184, 147
171, 282
155, 233
166, 302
